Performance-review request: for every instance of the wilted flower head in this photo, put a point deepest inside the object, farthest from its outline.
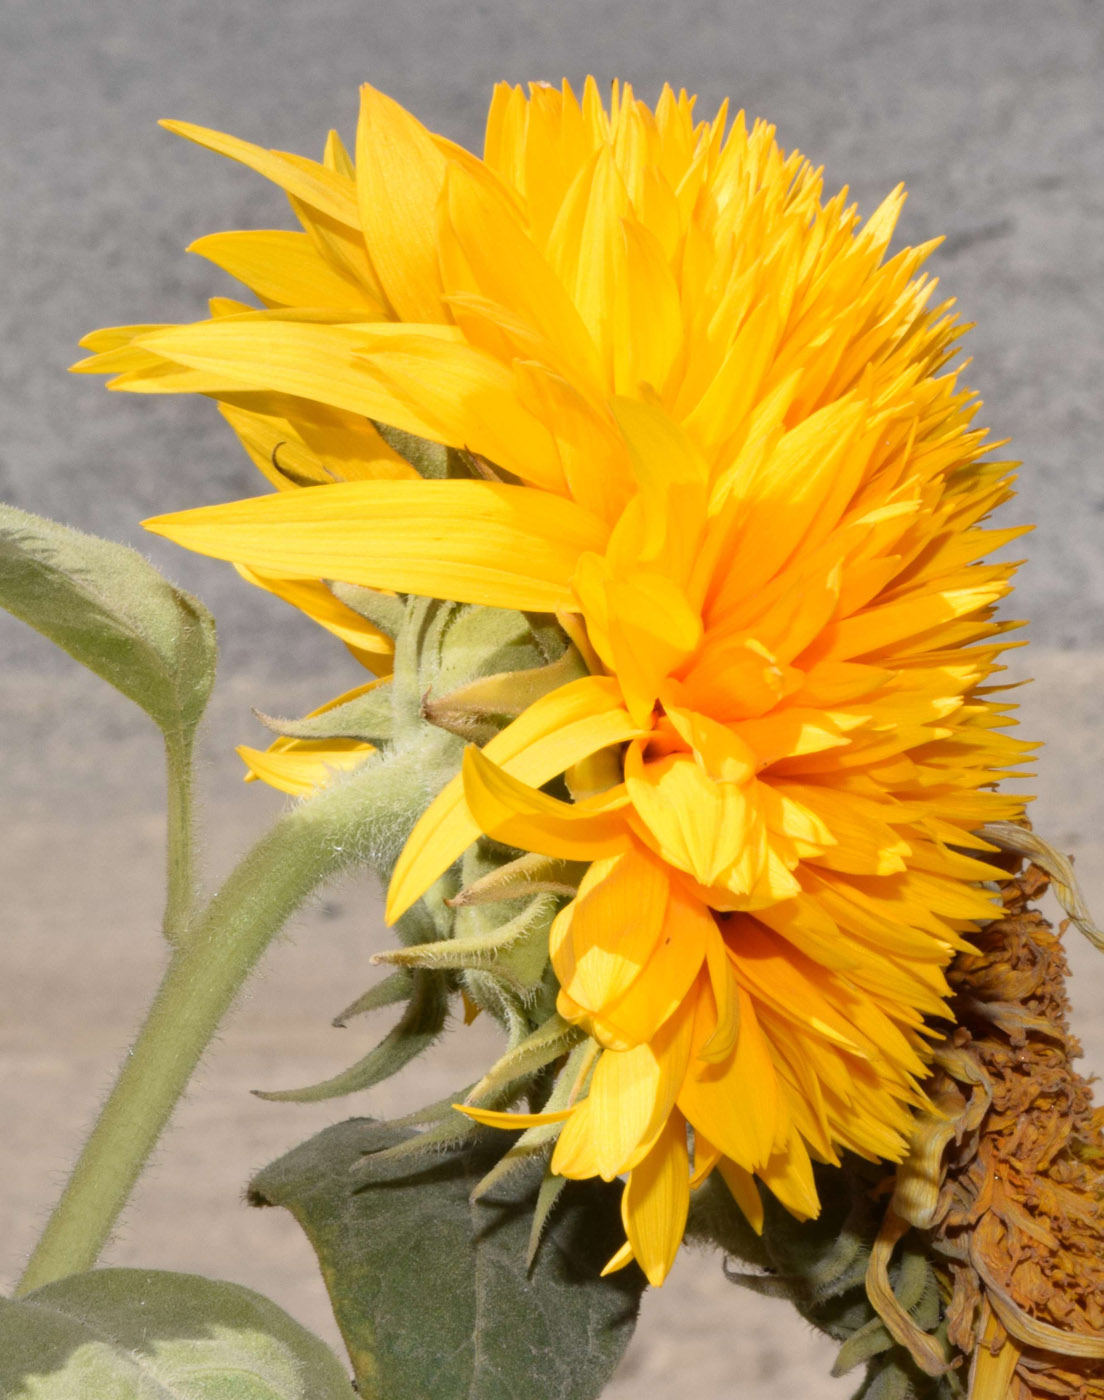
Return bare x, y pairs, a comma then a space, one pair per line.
705, 419
1004, 1180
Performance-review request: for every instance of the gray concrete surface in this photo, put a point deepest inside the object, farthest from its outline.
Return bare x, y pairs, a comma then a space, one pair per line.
990, 110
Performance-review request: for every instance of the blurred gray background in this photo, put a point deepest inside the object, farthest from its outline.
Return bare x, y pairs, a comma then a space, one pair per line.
989, 110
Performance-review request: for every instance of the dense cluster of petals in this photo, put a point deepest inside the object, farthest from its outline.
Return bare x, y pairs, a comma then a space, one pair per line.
710, 425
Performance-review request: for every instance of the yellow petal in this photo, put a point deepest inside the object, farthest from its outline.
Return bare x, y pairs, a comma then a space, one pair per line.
631, 1095
491, 1118
554, 732
522, 816
615, 923
284, 268
321, 188
725, 993
318, 450
301, 766
471, 541
735, 1101
503, 265
700, 826
278, 353
370, 646
592, 454
400, 174
620, 1260
656, 1201
663, 988
789, 1174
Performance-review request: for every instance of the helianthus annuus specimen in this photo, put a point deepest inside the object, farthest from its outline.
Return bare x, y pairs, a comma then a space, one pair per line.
708, 423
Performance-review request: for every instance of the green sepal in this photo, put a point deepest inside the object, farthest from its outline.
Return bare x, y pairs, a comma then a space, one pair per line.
534, 1145
452, 1132
132, 1334
501, 949
895, 1376
917, 1292
498, 1329
369, 717
383, 610
551, 1188
527, 875
395, 987
420, 1025
429, 459
477, 710
555, 1037
113, 612
478, 642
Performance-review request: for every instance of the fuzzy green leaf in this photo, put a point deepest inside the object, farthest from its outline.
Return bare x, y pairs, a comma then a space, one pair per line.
113, 612
140, 1334
432, 1292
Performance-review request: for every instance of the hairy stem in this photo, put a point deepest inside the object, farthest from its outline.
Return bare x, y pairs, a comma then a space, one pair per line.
181, 888
352, 822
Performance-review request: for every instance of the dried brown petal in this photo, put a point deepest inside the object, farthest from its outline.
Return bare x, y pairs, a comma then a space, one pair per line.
1006, 1181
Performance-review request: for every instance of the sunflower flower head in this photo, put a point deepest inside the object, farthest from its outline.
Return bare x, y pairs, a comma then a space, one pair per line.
633, 376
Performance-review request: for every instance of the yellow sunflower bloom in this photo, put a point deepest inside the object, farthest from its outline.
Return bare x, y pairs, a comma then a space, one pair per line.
710, 426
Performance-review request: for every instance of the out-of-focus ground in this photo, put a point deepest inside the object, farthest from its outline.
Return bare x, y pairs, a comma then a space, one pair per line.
991, 113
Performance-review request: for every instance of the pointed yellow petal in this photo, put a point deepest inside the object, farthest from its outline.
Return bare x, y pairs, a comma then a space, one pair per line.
503, 265
321, 188
400, 174
662, 989
616, 922
627, 1107
301, 766
656, 1201
472, 541
789, 1174
745, 1193
491, 1118
288, 356
711, 830
736, 1101
315, 450
723, 981
621, 1260
522, 816
284, 268
554, 732
367, 643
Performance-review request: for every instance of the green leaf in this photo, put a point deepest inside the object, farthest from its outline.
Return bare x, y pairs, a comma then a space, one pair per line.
113, 612
141, 1334
432, 1292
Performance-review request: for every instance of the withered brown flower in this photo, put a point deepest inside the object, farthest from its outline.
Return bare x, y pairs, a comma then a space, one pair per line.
1006, 1179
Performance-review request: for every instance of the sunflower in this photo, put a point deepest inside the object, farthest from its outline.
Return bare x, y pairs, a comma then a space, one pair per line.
707, 422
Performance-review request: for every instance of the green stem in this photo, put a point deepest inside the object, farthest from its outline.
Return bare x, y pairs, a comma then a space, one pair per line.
181, 889
345, 824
